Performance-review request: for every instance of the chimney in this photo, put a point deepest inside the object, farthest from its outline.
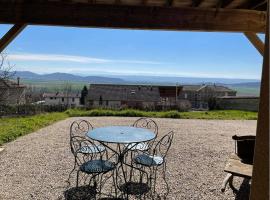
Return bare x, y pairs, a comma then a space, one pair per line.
18, 80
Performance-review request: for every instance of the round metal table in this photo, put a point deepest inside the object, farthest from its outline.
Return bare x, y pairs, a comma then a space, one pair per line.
121, 134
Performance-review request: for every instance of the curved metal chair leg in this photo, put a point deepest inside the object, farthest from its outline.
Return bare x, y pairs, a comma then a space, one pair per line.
77, 179
165, 180
73, 169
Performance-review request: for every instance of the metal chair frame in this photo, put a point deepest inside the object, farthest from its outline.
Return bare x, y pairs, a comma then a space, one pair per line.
147, 123
82, 159
79, 128
160, 149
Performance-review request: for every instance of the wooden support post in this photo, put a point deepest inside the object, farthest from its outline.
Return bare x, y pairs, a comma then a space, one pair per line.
256, 41
10, 35
260, 176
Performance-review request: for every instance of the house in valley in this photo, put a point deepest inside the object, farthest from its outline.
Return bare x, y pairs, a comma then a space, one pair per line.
12, 92
61, 98
133, 96
200, 95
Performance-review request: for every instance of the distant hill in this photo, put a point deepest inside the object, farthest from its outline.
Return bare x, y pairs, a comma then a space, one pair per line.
26, 75
55, 81
247, 84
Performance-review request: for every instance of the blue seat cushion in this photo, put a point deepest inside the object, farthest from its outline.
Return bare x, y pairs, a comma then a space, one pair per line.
97, 166
91, 149
148, 160
140, 146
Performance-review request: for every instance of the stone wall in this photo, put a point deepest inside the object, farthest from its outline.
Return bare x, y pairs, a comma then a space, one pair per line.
238, 103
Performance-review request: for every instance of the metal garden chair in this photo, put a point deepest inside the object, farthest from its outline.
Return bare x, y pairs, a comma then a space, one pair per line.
93, 162
155, 159
146, 123
80, 128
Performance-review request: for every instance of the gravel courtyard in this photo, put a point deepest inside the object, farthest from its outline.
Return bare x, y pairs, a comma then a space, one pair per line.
36, 166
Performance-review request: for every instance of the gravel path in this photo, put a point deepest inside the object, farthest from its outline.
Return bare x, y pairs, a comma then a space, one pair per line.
36, 166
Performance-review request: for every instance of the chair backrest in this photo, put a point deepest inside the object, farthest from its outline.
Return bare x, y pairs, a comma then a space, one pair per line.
79, 144
80, 128
163, 145
146, 123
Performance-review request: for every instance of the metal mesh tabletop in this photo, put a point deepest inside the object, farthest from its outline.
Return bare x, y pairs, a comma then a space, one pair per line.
121, 134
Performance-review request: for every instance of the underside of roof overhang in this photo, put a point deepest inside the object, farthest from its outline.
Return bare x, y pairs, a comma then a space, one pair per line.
186, 15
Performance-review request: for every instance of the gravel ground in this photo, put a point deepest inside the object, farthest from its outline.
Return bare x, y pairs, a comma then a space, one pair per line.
36, 166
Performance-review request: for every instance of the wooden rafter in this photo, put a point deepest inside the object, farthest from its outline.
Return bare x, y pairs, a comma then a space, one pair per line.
10, 35
196, 3
255, 6
226, 3
169, 2
256, 41
134, 17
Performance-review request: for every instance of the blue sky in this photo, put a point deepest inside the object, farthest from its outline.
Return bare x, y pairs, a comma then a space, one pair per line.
88, 51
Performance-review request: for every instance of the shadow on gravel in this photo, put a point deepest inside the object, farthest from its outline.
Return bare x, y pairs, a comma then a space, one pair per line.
135, 188
244, 190
84, 193
80, 193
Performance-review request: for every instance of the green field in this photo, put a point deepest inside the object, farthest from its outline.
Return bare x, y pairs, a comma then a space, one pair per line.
54, 86
12, 128
253, 91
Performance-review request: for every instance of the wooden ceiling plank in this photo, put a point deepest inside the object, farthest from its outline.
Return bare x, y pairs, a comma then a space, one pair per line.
256, 41
258, 4
226, 3
169, 3
10, 35
132, 17
196, 3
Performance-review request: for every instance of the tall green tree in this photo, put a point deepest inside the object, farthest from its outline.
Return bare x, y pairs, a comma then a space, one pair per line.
84, 93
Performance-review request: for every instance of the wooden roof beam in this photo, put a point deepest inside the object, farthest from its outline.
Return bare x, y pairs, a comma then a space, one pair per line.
226, 3
10, 35
169, 2
256, 41
132, 17
196, 3
255, 6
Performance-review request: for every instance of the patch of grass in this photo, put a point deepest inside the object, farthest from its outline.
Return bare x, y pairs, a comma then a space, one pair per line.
221, 114
11, 128
215, 114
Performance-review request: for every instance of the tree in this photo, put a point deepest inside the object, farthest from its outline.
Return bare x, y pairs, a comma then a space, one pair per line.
67, 92
5, 68
5, 75
84, 93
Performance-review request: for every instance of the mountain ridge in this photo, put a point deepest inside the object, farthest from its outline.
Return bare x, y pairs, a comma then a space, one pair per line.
135, 79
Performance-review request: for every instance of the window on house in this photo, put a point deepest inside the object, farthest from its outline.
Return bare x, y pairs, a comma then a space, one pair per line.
62, 99
51, 98
186, 95
107, 103
73, 99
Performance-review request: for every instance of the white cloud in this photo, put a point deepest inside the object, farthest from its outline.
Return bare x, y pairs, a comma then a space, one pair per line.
72, 58
54, 57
